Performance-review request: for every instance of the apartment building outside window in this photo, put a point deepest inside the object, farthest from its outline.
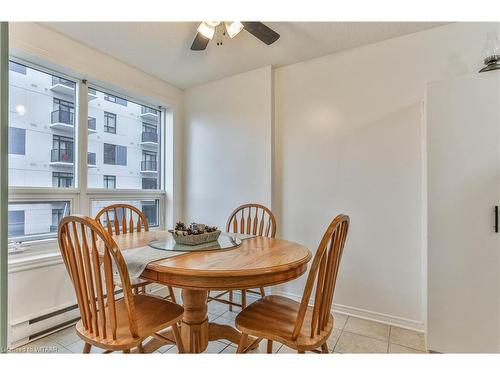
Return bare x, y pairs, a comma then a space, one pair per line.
44, 153
109, 122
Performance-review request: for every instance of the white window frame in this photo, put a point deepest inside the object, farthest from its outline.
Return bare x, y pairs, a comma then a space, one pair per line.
80, 196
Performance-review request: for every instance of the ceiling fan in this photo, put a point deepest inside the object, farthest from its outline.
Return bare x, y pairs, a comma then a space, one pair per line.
207, 29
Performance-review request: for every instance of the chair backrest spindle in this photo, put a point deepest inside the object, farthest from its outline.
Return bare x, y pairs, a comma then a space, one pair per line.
117, 225
254, 219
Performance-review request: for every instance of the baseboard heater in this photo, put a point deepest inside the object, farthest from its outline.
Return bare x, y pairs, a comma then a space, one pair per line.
29, 330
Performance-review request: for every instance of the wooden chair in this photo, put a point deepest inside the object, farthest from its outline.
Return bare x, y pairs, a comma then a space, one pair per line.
109, 322
254, 219
109, 218
298, 325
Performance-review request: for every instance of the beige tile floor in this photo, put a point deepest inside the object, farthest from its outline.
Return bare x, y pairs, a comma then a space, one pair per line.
350, 335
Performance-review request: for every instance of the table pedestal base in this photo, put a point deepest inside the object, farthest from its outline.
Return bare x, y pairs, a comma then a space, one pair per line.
196, 331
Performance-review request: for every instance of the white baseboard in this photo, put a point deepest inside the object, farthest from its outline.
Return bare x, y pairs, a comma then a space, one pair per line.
396, 321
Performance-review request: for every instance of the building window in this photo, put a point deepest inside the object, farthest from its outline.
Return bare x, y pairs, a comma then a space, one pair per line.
115, 99
149, 183
57, 215
16, 223
109, 122
62, 149
150, 210
115, 154
16, 67
63, 112
17, 141
109, 182
148, 161
62, 179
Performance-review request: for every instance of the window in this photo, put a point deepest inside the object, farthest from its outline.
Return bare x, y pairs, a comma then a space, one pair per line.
18, 68
148, 161
43, 185
149, 133
16, 223
150, 210
149, 183
115, 99
109, 182
39, 111
109, 122
57, 215
35, 220
122, 152
115, 154
62, 149
63, 113
62, 179
148, 207
17, 141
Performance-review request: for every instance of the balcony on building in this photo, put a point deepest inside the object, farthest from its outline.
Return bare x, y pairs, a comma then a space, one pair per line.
149, 166
91, 125
149, 139
149, 114
91, 94
91, 160
62, 120
61, 157
63, 86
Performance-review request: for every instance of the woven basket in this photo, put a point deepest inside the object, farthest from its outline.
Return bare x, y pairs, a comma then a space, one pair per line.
195, 239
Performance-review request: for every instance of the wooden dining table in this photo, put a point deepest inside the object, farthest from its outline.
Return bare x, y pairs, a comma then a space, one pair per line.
256, 262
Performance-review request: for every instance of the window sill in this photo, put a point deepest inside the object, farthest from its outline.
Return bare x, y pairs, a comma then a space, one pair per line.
27, 261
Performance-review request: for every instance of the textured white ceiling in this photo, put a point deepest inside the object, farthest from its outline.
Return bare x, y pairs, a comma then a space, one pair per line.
162, 48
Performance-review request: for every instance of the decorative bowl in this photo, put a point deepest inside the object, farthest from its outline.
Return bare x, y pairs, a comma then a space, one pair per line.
194, 239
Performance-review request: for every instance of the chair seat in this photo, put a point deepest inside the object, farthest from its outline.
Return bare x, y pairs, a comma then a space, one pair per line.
153, 314
274, 317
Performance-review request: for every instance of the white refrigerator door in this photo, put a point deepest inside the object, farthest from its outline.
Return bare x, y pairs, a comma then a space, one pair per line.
463, 130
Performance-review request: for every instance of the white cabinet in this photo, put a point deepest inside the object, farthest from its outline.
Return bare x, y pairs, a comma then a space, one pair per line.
463, 145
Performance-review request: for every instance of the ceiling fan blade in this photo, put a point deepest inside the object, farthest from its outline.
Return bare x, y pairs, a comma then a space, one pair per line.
199, 42
262, 32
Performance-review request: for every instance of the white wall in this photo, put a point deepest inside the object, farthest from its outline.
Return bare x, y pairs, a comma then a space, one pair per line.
228, 146
43, 286
348, 138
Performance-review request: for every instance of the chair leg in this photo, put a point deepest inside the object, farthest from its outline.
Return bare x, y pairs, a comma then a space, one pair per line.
324, 348
140, 348
143, 289
243, 299
86, 348
230, 300
242, 343
269, 346
171, 293
178, 339
262, 292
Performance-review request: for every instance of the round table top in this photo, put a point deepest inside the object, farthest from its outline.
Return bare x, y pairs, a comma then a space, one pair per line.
258, 261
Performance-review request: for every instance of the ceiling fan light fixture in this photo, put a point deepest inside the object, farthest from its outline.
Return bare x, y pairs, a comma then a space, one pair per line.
207, 29
233, 28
